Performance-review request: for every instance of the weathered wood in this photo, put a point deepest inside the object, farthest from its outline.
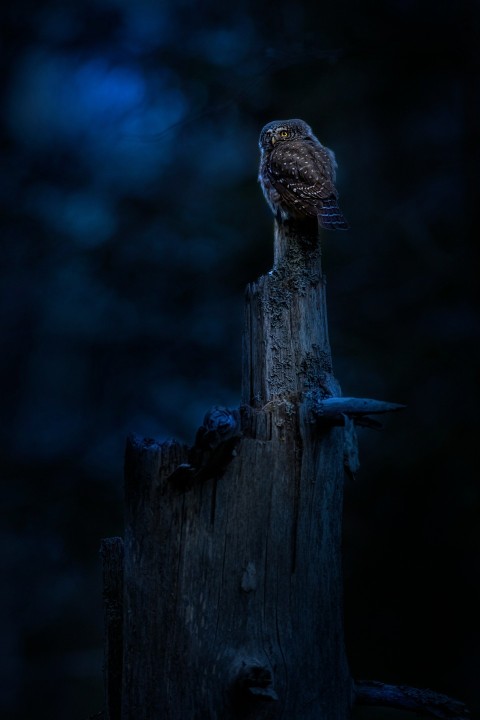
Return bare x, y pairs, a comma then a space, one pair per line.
403, 697
230, 590
256, 583
286, 350
233, 589
336, 410
111, 552
215, 445
334, 407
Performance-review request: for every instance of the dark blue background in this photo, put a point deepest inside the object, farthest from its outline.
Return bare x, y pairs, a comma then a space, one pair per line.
131, 222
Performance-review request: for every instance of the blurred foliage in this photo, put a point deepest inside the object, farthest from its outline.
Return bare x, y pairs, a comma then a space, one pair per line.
131, 222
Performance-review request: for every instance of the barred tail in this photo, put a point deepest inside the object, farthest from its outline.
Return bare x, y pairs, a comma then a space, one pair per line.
330, 216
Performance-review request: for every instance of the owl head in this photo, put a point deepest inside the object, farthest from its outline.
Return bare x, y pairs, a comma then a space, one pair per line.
281, 130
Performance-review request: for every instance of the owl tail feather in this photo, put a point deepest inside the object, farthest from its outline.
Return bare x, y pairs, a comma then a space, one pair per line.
330, 216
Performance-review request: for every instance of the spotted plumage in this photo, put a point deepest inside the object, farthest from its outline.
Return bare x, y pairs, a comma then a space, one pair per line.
297, 174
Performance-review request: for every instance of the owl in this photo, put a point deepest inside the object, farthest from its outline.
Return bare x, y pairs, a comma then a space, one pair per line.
297, 174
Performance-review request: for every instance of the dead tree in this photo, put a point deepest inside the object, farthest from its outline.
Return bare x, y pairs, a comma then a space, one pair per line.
231, 605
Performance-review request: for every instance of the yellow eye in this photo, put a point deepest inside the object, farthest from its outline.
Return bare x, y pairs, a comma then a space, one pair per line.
284, 133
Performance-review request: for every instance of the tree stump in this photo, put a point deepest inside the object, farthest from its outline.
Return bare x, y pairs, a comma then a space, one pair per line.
224, 601
232, 579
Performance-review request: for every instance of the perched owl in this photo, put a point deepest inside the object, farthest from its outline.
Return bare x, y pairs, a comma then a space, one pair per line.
297, 174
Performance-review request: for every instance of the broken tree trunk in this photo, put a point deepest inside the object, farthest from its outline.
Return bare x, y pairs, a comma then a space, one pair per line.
233, 588
224, 602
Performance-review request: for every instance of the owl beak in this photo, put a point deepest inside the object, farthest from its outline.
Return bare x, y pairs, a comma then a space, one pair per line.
273, 139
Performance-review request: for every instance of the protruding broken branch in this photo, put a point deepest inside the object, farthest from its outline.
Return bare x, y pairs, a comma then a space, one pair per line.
424, 702
334, 409
358, 406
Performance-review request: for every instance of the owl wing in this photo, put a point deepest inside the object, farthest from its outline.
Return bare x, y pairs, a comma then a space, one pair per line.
303, 174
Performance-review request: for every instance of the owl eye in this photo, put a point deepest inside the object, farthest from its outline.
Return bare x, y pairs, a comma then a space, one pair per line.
284, 133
